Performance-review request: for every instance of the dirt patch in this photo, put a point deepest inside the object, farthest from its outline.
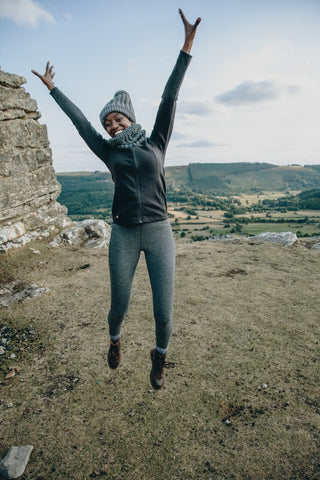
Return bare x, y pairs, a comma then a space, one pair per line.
233, 272
240, 403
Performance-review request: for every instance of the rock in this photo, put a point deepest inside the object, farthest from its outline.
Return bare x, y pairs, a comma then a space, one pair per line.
11, 80
9, 296
90, 233
28, 184
316, 246
14, 463
2, 350
10, 232
223, 237
33, 250
286, 238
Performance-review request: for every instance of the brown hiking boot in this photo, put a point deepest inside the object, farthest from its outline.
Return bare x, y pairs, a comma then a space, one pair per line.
114, 354
157, 370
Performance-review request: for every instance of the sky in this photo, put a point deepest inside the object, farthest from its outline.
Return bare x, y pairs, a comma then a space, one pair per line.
251, 92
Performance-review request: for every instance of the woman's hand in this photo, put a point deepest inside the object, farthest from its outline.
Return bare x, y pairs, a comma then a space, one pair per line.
190, 31
47, 78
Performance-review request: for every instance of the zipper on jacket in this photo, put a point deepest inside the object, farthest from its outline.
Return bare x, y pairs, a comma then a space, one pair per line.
138, 187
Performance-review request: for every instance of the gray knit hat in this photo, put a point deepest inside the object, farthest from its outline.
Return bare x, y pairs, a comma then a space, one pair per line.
121, 102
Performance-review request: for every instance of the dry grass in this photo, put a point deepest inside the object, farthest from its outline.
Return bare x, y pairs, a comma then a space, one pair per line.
241, 403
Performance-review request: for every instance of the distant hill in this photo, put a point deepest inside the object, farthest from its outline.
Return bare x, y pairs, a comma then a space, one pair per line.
242, 177
87, 192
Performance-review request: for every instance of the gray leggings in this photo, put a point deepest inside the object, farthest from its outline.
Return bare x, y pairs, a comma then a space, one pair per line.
156, 241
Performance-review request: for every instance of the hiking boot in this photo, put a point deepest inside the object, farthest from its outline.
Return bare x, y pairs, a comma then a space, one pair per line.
114, 354
157, 370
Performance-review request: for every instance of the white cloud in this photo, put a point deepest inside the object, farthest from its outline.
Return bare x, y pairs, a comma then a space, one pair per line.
195, 106
249, 92
24, 12
254, 92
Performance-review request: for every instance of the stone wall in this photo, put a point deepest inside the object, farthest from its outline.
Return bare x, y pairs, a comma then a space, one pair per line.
28, 184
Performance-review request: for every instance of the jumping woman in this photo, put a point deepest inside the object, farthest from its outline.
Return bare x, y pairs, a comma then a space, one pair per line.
140, 219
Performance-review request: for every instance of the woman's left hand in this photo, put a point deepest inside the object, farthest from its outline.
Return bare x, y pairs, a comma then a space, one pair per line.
190, 31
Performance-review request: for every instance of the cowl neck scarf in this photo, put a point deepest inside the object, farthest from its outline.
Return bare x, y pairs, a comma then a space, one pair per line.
132, 136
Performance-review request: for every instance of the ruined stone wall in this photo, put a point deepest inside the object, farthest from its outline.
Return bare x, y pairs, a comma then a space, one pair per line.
28, 184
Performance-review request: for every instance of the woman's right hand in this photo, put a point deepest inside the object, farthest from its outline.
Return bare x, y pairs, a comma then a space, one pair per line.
47, 78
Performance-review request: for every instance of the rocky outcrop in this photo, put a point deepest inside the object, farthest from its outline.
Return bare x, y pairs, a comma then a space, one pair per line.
90, 233
14, 292
285, 238
29, 188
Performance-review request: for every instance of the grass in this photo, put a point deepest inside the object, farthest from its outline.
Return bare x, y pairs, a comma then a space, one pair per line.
256, 228
241, 403
205, 229
208, 222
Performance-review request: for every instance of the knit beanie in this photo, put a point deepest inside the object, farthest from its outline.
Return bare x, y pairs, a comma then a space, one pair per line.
121, 102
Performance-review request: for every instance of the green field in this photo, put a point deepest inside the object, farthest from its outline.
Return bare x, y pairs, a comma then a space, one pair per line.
209, 223
300, 230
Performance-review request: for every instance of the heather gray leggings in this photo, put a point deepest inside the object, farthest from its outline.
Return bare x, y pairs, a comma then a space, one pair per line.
156, 241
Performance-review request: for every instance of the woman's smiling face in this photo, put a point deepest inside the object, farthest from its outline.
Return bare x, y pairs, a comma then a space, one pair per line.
115, 123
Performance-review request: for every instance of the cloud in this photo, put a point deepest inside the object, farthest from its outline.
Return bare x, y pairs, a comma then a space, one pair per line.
254, 92
249, 92
198, 106
293, 89
176, 135
24, 12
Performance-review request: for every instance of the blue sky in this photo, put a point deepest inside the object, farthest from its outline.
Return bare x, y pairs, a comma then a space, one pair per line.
251, 92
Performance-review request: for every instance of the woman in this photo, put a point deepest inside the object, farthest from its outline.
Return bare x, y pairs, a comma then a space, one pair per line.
139, 206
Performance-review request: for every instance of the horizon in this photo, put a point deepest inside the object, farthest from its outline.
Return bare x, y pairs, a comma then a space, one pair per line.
66, 172
250, 94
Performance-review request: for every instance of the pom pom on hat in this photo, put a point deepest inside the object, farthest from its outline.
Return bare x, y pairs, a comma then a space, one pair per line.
121, 102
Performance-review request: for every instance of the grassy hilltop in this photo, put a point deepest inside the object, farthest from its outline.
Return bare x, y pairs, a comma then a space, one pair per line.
241, 403
242, 177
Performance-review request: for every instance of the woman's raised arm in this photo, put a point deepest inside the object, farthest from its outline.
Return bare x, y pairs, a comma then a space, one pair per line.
93, 139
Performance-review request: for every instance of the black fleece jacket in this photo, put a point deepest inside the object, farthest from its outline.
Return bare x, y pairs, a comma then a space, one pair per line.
138, 172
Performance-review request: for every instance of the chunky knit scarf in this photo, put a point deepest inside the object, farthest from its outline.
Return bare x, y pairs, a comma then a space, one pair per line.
132, 136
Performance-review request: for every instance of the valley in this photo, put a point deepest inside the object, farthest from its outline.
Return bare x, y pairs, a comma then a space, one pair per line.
206, 200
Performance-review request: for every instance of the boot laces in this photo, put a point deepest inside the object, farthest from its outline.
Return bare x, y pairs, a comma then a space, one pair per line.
163, 363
